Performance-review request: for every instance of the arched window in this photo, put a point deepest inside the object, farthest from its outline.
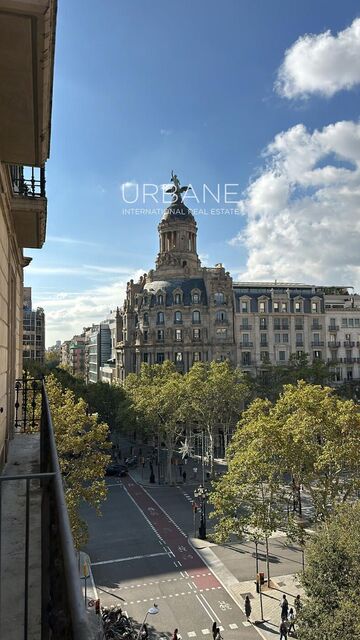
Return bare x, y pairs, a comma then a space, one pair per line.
178, 317
219, 297
221, 316
160, 317
177, 298
146, 318
196, 317
195, 297
160, 299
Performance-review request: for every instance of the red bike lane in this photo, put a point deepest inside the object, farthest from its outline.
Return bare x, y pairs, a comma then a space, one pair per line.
185, 557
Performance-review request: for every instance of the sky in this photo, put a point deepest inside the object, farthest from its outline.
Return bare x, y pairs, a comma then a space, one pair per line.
262, 95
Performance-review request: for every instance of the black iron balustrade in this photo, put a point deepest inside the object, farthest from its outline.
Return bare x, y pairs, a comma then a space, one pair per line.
63, 614
28, 182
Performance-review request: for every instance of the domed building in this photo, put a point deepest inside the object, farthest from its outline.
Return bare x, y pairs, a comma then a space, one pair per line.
179, 311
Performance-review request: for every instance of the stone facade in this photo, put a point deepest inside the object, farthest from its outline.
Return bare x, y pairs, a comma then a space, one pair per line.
180, 310
33, 331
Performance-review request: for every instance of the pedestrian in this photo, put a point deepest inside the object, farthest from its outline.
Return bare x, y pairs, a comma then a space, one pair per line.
283, 630
247, 608
291, 620
214, 627
144, 632
218, 635
195, 472
284, 604
297, 604
184, 476
176, 635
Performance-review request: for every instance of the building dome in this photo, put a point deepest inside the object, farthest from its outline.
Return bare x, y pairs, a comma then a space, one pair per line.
177, 211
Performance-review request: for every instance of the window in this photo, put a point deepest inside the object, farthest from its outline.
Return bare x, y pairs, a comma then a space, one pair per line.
221, 316
347, 337
178, 317
177, 298
146, 335
349, 375
263, 323
196, 334
245, 338
299, 354
219, 297
262, 307
282, 356
246, 358
357, 322
285, 324
348, 354
245, 324
145, 357
344, 322
299, 338
244, 306
160, 334
277, 338
332, 323
160, 299
332, 338
316, 338
196, 317
297, 307
146, 301
299, 325
283, 307
178, 356
276, 323
146, 318
316, 324
334, 356
160, 317
160, 357
196, 297
263, 339
314, 307
196, 356
264, 356
178, 335
276, 307
285, 337
317, 355
351, 322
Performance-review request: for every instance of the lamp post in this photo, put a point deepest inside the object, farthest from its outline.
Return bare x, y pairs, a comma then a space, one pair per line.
201, 493
152, 611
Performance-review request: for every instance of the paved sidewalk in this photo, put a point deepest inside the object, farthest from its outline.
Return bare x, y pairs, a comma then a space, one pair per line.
271, 597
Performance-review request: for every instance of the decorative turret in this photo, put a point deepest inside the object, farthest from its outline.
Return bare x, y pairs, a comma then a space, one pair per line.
177, 234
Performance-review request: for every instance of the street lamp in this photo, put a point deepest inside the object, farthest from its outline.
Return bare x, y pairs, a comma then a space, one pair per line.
201, 493
152, 611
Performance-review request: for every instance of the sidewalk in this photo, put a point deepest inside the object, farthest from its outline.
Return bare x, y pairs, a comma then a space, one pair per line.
271, 597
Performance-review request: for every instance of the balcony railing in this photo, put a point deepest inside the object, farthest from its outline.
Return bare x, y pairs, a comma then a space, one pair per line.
245, 345
316, 327
317, 344
349, 344
62, 609
333, 345
333, 327
248, 327
28, 182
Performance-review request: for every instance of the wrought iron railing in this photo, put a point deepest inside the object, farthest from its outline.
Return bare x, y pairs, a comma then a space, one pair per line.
28, 182
63, 615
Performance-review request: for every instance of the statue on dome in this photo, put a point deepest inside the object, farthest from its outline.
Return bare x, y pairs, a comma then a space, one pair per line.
176, 189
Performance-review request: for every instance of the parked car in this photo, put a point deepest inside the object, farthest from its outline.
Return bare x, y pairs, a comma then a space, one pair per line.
116, 469
132, 461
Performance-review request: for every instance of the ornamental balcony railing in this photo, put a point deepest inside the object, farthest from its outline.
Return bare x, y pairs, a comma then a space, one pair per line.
61, 603
320, 343
333, 327
333, 344
349, 344
28, 182
245, 345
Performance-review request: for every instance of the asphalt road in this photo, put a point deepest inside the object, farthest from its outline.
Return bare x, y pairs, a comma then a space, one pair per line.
139, 553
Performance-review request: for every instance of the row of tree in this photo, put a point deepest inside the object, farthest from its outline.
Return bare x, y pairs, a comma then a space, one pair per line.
308, 438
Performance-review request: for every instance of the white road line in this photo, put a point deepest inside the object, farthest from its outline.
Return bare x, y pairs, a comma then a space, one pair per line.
191, 634
205, 632
203, 606
163, 510
144, 516
194, 585
233, 625
211, 609
148, 555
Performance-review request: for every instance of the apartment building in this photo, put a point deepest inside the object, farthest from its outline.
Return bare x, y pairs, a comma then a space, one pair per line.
343, 334
33, 331
77, 355
98, 350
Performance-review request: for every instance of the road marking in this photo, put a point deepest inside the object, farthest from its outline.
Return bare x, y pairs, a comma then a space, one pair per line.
233, 625
246, 623
143, 514
148, 555
203, 606
191, 634
211, 609
205, 632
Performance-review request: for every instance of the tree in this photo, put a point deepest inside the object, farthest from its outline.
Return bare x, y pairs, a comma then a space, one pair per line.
332, 578
82, 443
216, 395
250, 498
159, 398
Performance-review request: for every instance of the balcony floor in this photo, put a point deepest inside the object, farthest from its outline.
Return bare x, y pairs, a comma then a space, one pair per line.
23, 458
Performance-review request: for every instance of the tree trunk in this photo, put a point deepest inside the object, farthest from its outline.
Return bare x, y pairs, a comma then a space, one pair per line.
211, 453
170, 450
267, 560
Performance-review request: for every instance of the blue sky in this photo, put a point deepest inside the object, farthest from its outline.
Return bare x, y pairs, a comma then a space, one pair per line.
141, 88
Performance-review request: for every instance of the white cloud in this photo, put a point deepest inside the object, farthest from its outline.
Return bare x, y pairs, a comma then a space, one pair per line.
165, 132
67, 313
65, 240
321, 64
303, 209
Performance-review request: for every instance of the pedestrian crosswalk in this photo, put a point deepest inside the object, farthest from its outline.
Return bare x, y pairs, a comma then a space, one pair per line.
207, 632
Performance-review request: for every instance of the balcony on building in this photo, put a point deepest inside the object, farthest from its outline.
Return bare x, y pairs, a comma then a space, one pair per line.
38, 559
221, 321
320, 343
28, 204
349, 344
248, 327
333, 327
245, 345
299, 343
316, 327
333, 345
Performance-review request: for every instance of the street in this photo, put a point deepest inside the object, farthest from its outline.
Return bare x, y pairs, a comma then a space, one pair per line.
140, 553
